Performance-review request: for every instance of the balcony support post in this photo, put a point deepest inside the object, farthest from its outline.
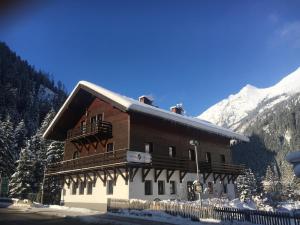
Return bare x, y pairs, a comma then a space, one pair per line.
216, 176
125, 177
145, 172
132, 173
169, 174
182, 175
205, 177
104, 178
157, 173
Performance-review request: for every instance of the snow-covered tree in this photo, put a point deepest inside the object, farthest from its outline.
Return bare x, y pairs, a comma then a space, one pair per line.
22, 180
39, 147
246, 185
52, 187
7, 154
271, 181
20, 137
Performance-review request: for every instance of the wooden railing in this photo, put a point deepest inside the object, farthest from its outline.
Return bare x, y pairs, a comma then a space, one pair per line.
89, 162
101, 127
119, 157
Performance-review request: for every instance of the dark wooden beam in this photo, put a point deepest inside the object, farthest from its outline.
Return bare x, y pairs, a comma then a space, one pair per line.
182, 175
104, 178
205, 176
145, 172
169, 174
76, 182
157, 173
132, 173
125, 176
94, 179
79, 178
216, 176
222, 177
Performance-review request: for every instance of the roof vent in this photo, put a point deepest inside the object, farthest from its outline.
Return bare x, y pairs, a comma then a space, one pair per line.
178, 108
146, 99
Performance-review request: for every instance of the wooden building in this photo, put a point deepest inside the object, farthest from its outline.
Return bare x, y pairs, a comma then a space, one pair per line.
118, 147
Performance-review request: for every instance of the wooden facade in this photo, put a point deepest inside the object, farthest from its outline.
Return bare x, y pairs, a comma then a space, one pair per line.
99, 134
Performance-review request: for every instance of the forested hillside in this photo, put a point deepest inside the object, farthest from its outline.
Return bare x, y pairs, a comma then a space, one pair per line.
29, 100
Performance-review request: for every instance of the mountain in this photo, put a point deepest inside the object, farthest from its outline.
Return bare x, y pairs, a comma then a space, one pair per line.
26, 94
239, 110
271, 118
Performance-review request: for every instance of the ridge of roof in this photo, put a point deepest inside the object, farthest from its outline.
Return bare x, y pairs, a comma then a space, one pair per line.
135, 105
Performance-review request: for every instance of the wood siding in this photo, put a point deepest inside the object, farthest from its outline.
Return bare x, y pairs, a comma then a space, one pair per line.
163, 133
120, 127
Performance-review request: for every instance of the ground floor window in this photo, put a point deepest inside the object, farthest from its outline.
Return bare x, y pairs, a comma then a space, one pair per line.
81, 188
225, 190
161, 187
74, 188
148, 187
110, 187
172, 187
90, 188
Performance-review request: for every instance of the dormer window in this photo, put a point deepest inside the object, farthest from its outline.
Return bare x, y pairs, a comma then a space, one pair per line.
83, 127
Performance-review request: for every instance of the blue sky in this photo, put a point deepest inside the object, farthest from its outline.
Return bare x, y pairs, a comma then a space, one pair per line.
194, 52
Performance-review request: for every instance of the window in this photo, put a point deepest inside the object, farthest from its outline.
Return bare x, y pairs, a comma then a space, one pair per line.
110, 147
192, 154
83, 126
172, 151
81, 188
222, 158
225, 188
110, 187
74, 188
148, 187
95, 121
161, 187
208, 157
149, 147
76, 155
90, 188
172, 187
210, 188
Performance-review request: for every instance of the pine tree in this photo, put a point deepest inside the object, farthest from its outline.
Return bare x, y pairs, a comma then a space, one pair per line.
7, 154
246, 185
39, 147
271, 181
52, 189
20, 137
22, 180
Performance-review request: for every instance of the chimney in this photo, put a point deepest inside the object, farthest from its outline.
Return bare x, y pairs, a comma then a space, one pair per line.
146, 100
177, 109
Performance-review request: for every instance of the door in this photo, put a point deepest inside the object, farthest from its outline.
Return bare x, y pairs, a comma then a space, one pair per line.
190, 191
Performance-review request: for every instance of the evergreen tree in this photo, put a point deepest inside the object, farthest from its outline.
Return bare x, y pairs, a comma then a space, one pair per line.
246, 185
7, 154
20, 137
271, 181
22, 180
52, 187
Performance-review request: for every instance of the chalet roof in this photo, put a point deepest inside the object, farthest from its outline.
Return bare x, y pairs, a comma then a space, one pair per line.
129, 104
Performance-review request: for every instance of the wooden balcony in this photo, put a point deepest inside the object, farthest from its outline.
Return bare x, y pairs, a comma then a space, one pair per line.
94, 131
118, 158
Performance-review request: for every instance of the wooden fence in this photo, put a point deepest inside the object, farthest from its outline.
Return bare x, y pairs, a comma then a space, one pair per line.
196, 213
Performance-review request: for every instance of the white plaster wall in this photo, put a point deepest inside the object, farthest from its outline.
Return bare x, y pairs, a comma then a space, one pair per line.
120, 191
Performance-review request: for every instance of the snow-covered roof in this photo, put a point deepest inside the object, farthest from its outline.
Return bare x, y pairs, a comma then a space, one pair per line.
129, 104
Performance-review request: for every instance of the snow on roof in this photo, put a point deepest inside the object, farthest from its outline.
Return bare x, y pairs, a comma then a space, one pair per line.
134, 105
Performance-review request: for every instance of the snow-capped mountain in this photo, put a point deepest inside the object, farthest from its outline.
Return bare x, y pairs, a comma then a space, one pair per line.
239, 110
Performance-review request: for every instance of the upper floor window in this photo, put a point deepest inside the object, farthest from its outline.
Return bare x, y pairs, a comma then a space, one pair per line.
83, 126
110, 147
95, 119
76, 155
172, 151
89, 188
210, 188
149, 147
222, 158
81, 187
74, 188
192, 154
208, 157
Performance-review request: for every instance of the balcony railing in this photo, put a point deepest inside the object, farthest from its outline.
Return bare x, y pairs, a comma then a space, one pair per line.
119, 158
101, 129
